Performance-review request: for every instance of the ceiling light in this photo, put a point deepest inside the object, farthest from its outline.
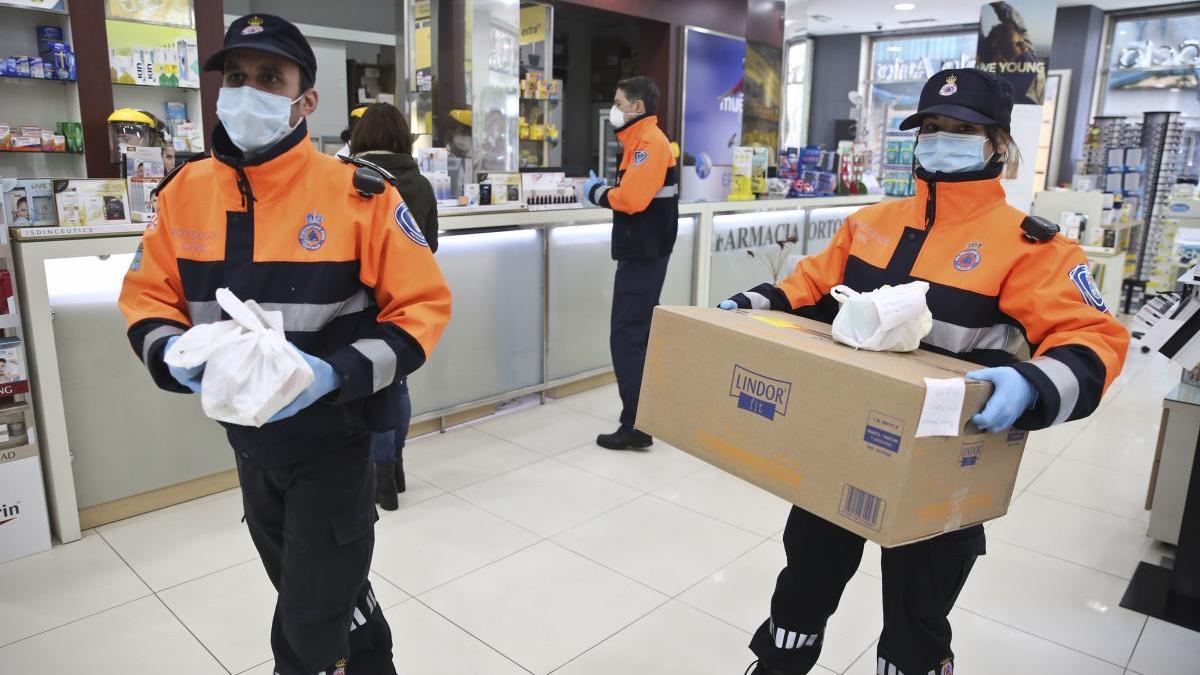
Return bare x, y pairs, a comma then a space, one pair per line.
905, 6
895, 49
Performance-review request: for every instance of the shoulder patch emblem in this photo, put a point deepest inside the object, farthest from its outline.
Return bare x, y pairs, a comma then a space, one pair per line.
640, 157
137, 260
404, 218
968, 258
1081, 276
312, 235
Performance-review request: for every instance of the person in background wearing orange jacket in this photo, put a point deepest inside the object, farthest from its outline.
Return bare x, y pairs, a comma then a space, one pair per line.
1008, 293
338, 253
645, 205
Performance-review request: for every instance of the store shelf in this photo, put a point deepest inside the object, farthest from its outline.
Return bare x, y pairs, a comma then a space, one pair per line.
151, 23
17, 445
156, 86
9, 153
40, 10
9, 78
15, 406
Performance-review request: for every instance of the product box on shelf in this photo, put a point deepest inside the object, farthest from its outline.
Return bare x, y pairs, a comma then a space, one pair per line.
789, 163
7, 301
879, 444
758, 171
504, 188
433, 160
13, 378
25, 143
30, 203
144, 169
743, 169
49, 33
84, 202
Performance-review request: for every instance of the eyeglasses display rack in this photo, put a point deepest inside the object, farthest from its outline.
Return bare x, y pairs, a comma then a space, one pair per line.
1152, 245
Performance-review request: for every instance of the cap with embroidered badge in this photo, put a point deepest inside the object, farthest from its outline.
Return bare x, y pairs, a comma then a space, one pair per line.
965, 94
267, 33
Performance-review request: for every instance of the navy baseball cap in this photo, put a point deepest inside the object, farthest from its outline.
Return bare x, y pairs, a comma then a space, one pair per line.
965, 94
267, 33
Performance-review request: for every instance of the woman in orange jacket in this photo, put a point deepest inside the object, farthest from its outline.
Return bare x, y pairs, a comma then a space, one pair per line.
1006, 292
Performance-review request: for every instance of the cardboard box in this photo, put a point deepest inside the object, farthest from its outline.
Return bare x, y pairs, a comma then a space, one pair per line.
771, 398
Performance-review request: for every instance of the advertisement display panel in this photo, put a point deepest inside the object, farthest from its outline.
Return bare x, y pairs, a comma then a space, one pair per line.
712, 111
1014, 43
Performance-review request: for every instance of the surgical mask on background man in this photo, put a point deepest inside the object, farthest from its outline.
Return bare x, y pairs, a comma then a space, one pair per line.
254, 119
946, 152
616, 117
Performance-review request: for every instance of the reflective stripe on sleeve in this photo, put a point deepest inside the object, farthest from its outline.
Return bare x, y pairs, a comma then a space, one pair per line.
667, 191
298, 317
383, 361
156, 335
1064, 381
960, 339
757, 300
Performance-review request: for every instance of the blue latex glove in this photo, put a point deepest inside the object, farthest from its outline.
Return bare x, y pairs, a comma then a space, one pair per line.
325, 381
592, 181
727, 304
188, 377
1012, 396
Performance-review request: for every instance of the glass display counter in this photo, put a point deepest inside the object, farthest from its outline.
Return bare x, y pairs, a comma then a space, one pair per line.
532, 296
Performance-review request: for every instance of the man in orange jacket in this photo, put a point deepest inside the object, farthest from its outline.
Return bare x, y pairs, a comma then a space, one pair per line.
362, 299
645, 205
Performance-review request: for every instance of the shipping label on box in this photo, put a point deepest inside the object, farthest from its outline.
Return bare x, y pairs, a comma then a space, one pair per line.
771, 398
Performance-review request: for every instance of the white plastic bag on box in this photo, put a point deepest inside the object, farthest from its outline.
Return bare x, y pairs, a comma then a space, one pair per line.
890, 318
252, 371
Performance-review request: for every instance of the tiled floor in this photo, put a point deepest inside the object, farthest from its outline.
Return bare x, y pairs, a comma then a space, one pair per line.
523, 548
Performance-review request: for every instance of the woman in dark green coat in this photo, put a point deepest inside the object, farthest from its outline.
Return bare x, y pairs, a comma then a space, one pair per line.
382, 136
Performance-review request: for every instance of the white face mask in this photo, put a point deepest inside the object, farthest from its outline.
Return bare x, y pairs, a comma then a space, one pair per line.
947, 152
254, 119
616, 117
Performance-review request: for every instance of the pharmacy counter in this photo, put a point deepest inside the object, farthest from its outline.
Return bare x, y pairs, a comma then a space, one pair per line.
532, 296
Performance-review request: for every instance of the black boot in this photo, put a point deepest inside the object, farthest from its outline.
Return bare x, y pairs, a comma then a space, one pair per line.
625, 438
385, 486
400, 486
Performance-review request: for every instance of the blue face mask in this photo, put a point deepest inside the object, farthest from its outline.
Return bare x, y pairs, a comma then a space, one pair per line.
254, 119
945, 152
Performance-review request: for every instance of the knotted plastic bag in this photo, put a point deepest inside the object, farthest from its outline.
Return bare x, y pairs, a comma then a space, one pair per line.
252, 371
890, 318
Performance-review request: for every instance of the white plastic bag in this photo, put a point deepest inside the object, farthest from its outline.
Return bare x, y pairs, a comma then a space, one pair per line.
252, 371
890, 318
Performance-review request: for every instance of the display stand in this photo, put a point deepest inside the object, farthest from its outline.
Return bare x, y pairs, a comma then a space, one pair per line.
1152, 244
1171, 592
26, 525
153, 60
33, 101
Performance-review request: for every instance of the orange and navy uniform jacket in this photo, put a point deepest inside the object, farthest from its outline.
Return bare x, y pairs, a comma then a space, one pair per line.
645, 200
997, 298
352, 275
